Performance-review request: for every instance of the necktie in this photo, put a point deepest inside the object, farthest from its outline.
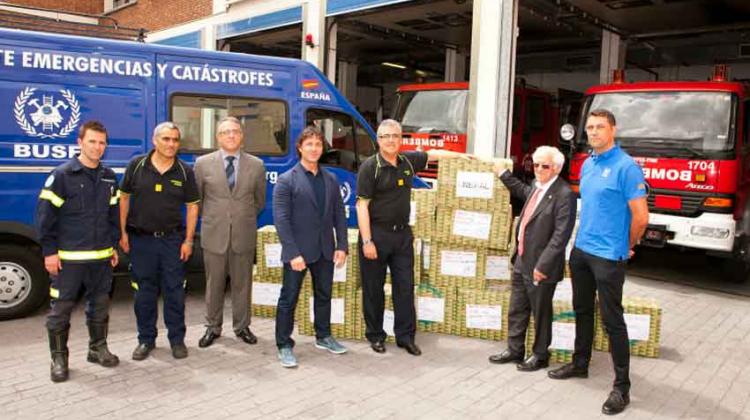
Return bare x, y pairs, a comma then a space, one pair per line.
231, 178
527, 212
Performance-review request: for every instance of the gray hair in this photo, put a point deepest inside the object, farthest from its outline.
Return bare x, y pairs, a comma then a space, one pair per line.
389, 123
166, 125
552, 152
229, 118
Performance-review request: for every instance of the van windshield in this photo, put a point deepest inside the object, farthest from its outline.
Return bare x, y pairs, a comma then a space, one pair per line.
433, 111
685, 123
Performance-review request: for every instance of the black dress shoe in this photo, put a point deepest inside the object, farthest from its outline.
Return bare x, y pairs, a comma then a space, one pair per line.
410, 348
506, 356
568, 371
532, 364
378, 346
616, 403
208, 338
142, 351
247, 336
179, 351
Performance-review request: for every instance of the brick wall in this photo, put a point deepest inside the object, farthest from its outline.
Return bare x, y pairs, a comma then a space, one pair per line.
94, 7
158, 14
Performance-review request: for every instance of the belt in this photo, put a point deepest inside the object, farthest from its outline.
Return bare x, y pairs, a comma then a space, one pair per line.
391, 227
155, 234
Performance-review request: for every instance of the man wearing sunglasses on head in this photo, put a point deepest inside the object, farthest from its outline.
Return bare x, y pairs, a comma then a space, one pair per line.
547, 221
384, 186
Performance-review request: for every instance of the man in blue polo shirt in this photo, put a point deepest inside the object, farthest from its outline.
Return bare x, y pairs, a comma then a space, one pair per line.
614, 215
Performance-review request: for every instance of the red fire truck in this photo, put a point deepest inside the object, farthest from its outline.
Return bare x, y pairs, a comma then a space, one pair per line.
692, 140
434, 115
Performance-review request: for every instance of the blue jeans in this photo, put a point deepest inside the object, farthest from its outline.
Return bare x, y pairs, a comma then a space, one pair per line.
322, 276
156, 266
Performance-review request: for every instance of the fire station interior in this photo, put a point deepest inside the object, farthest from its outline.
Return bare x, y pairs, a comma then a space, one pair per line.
558, 47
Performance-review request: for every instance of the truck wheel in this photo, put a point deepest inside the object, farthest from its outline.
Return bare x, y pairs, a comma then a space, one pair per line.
23, 281
735, 270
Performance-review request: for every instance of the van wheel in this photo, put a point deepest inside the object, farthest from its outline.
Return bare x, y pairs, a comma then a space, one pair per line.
23, 281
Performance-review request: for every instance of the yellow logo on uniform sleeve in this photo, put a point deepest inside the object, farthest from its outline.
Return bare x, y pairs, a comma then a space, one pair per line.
175, 182
157, 187
400, 182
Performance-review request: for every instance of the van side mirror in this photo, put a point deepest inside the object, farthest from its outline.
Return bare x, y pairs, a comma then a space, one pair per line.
567, 133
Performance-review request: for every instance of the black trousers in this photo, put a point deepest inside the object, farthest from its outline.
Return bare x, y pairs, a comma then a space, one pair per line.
322, 278
94, 277
592, 274
527, 299
395, 251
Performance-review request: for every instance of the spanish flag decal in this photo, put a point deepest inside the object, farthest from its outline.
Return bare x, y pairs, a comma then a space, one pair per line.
310, 83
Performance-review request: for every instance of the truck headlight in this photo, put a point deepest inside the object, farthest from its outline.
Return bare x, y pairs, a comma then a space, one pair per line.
709, 232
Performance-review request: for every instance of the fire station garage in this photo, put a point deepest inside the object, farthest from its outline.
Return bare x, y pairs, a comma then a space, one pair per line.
502, 77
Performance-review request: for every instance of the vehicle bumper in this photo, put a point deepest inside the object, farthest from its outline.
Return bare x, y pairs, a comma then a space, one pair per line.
709, 231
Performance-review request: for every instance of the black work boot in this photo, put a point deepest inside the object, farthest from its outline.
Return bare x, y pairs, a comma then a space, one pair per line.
98, 351
58, 347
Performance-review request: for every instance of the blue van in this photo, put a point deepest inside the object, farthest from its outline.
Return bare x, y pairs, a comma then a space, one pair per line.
51, 84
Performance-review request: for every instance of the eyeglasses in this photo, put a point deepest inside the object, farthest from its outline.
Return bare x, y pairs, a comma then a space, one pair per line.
230, 131
389, 136
541, 165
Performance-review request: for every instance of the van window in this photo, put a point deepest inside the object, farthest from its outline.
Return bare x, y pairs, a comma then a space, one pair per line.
344, 147
264, 122
366, 147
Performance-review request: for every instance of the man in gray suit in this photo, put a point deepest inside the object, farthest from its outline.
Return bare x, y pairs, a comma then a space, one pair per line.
546, 223
232, 185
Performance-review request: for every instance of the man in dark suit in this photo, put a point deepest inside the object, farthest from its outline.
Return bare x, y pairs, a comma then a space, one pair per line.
307, 207
547, 221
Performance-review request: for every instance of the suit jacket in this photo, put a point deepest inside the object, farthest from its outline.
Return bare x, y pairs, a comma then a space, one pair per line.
295, 213
547, 231
229, 218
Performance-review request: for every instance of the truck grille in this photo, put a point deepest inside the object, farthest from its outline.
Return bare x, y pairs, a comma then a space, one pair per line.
691, 203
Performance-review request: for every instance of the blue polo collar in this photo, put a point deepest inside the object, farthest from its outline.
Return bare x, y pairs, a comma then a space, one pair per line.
606, 155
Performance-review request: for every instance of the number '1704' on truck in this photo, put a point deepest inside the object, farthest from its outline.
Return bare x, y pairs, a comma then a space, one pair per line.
51, 84
692, 140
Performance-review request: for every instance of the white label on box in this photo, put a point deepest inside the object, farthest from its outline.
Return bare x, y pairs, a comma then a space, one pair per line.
564, 290
639, 326
426, 256
273, 256
388, 321
472, 224
266, 293
497, 267
475, 184
430, 309
413, 213
485, 317
563, 335
458, 263
339, 273
337, 311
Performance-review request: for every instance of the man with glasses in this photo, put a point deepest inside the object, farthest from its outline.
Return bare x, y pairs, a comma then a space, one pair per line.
614, 216
232, 188
385, 239
547, 220
154, 190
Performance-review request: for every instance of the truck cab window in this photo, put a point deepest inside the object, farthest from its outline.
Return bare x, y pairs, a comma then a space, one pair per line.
264, 121
338, 129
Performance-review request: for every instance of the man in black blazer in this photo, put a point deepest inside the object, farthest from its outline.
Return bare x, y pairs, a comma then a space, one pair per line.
546, 223
307, 207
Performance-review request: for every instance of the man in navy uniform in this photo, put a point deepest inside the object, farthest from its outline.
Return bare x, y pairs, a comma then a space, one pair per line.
78, 226
156, 237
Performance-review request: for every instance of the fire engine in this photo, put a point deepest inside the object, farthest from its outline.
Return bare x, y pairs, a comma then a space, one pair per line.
692, 140
435, 115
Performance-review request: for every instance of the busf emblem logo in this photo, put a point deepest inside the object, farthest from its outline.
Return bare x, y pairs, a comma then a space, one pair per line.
53, 115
